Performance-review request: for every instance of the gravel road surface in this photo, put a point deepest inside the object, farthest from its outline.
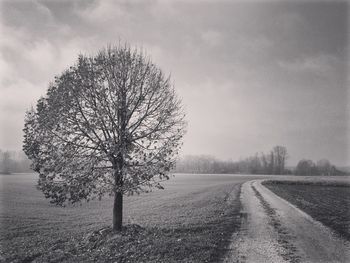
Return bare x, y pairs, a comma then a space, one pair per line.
273, 230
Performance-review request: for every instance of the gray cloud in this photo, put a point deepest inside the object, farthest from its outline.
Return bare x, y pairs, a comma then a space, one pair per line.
252, 74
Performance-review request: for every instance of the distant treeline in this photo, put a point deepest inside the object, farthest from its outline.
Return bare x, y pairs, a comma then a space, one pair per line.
273, 162
321, 167
13, 162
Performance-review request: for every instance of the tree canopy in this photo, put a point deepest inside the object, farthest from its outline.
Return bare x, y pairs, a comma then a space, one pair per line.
111, 123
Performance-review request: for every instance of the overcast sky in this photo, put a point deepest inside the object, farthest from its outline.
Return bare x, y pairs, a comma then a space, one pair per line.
251, 74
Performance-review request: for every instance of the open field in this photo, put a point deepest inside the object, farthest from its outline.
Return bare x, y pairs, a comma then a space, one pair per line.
327, 201
191, 221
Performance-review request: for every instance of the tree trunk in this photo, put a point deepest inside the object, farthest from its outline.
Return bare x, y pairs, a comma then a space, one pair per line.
118, 165
118, 211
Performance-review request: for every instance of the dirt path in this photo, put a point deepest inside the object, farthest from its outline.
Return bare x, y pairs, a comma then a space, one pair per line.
273, 230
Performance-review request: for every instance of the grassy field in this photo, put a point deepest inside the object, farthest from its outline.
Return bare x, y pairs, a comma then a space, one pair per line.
326, 201
191, 221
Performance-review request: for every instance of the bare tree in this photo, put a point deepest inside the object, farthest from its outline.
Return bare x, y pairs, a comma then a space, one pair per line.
324, 167
306, 167
271, 169
5, 162
264, 162
280, 156
110, 124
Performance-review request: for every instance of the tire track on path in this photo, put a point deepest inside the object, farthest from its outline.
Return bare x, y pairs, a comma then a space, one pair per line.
273, 230
257, 240
288, 250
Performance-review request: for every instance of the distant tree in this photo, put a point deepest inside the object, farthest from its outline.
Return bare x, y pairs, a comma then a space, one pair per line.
272, 163
13, 162
255, 164
1, 161
264, 163
280, 156
110, 124
324, 167
306, 167
251, 165
6, 162
198, 164
272, 169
